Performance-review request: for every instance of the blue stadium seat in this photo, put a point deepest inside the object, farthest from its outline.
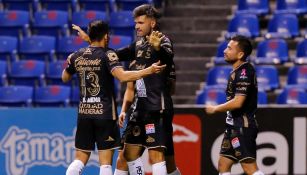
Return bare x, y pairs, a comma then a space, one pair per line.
16, 96
297, 75
272, 51
54, 73
117, 41
51, 23
283, 26
262, 98
218, 75
75, 96
63, 5
83, 18
14, 23
122, 23
292, 96
131, 4
37, 48
298, 7
97, 5
257, 7
267, 77
219, 58
51, 96
212, 96
29, 73
243, 24
67, 45
301, 53
8, 48
26, 5
3, 73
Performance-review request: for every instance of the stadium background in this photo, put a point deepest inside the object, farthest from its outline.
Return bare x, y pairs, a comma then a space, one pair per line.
37, 136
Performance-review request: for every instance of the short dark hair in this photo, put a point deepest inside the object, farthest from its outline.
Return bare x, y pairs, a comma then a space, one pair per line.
148, 10
97, 29
244, 44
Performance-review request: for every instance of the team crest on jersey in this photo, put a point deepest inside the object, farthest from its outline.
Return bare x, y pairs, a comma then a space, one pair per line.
138, 43
112, 56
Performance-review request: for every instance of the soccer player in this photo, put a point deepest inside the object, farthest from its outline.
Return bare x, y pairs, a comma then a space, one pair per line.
239, 142
97, 118
153, 94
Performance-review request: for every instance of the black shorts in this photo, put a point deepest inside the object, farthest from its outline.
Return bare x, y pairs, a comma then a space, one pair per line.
104, 133
149, 129
239, 143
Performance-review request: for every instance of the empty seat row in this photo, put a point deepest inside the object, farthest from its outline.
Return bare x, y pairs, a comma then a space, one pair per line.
47, 48
262, 7
58, 24
72, 5
280, 26
267, 76
270, 51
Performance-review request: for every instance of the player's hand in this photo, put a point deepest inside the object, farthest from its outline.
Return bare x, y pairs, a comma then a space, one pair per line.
121, 119
155, 39
210, 109
157, 68
81, 33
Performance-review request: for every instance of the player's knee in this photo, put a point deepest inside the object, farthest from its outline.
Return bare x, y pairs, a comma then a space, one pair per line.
156, 155
222, 167
121, 162
75, 168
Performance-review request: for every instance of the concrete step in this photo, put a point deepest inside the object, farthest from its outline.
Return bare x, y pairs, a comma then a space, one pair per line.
197, 10
191, 63
193, 36
217, 23
190, 76
186, 88
195, 50
184, 99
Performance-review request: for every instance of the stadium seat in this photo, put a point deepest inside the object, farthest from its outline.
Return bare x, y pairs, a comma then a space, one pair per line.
262, 98
292, 96
122, 23
51, 96
3, 73
83, 18
26, 5
257, 7
8, 48
67, 45
117, 41
16, 96
54, 73
63, 5
218, 75
97, 5
297, 75
243, 24
267, 77
272, 51
212, 96
131, 4
219, 58
298, 7
283, 26
51, 23
14, 23
301, 53
37, 48
29, 73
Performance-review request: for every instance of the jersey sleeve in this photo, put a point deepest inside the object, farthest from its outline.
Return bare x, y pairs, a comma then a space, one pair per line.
112, 60
126, 53
71, 69
166, 52
244, 79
